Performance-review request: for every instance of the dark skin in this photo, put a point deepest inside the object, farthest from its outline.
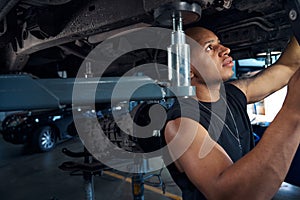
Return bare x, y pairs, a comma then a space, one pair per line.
258, 174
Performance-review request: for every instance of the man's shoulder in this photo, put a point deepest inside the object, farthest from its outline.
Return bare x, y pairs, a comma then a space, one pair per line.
182, 103
184, 107
234, 92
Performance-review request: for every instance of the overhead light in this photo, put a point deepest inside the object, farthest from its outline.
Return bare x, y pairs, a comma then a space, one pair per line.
272, 53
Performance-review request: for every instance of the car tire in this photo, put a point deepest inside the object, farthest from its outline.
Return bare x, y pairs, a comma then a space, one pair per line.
44, 139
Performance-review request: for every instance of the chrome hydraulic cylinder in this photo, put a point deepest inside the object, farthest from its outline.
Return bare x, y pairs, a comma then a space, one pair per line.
178, 55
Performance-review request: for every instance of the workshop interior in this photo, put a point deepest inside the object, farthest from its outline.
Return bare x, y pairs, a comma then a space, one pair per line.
68, 66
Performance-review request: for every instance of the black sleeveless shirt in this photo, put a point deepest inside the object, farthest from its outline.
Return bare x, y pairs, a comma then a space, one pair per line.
230, 109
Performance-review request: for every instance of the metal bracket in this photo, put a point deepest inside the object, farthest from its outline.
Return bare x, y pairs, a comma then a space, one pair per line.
190, 13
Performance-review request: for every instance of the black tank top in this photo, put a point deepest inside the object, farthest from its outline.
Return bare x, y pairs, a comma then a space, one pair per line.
231, 109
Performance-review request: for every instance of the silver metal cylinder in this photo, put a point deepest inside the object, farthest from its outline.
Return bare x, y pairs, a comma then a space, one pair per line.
178, 55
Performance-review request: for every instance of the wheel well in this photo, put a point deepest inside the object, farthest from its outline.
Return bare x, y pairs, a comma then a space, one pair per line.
56, 131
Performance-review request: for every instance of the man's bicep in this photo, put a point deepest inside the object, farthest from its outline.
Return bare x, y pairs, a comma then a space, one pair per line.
203, 161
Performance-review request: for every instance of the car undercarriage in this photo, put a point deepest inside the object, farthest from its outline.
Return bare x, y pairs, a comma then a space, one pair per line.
42, 37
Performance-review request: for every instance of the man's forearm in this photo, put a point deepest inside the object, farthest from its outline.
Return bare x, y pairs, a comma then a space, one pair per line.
266, 166
272, 78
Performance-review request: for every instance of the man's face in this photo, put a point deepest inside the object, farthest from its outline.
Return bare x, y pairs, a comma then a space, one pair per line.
210, 60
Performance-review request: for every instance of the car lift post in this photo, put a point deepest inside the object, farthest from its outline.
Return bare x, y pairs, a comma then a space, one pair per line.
178, 76
178, 65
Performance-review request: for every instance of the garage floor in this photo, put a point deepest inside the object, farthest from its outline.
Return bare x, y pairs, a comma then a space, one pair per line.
25, 175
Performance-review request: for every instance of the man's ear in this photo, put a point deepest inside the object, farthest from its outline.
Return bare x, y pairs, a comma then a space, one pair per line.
192, 74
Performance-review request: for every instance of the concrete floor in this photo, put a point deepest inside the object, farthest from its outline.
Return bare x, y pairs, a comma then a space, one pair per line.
36, 176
